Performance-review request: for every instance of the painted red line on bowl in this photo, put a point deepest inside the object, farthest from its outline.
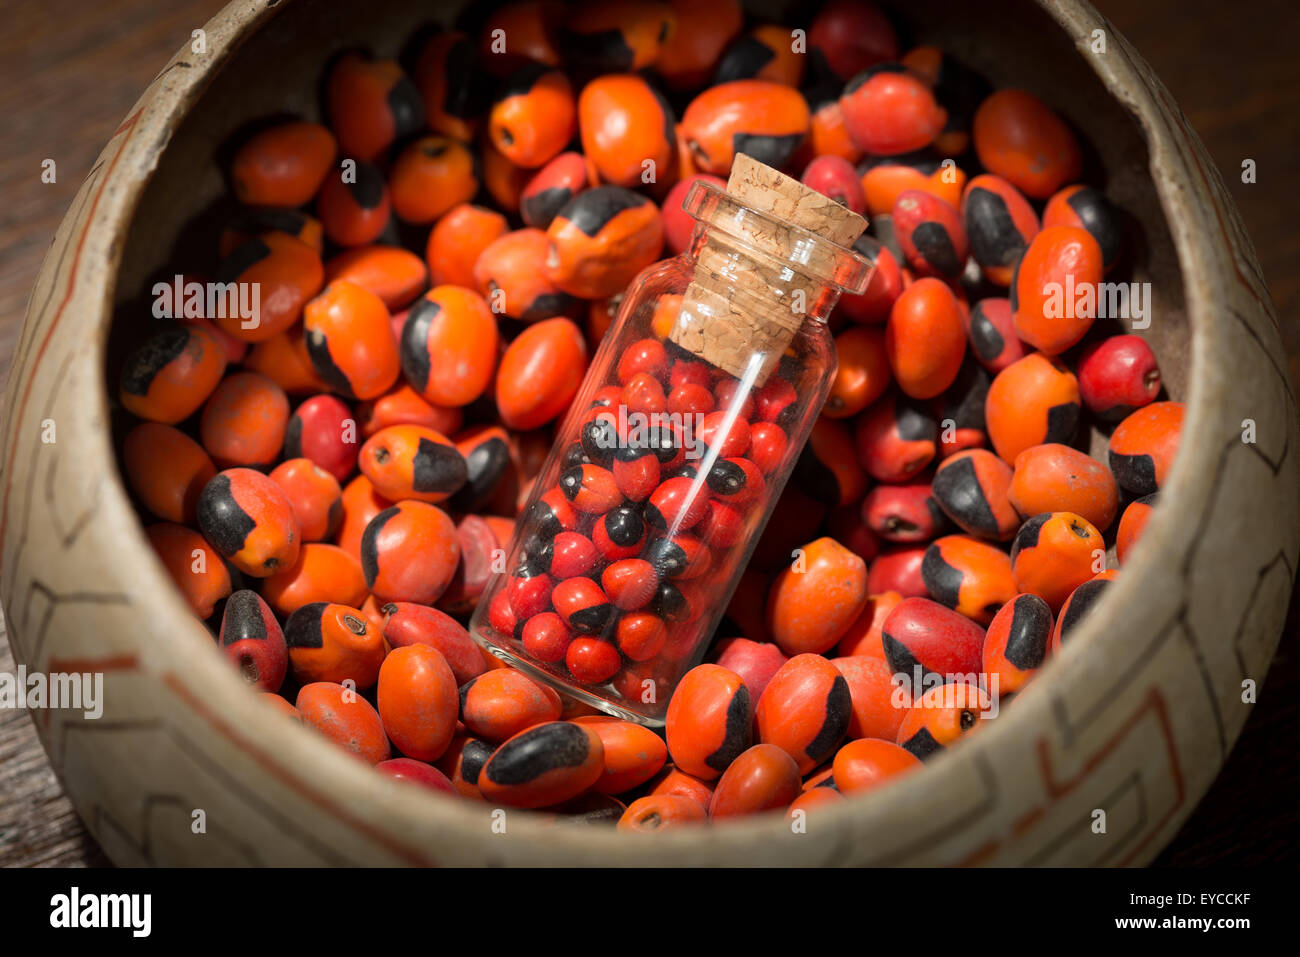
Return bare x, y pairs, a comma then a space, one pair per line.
1056, 789
115, 663
980, 854
91, 665
268, 762
1027, 821
1154, 702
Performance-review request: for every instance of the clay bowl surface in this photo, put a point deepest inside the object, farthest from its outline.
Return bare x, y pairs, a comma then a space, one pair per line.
1135, 717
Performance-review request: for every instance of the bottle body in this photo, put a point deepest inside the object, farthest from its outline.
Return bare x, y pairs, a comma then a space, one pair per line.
662, 476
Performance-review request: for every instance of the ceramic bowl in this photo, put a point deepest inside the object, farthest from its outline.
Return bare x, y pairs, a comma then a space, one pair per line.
1135, 718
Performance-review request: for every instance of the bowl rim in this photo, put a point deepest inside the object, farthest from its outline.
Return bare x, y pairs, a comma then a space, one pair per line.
324, 767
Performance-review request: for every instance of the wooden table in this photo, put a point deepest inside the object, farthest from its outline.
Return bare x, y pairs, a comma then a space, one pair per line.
69, 72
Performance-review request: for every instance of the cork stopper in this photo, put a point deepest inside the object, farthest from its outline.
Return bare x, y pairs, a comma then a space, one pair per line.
756, 279
769, 191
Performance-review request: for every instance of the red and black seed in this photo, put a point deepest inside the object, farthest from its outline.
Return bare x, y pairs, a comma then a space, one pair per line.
1030, 632
370, 543
942, 580
487, 460
999, 222
960, 492
598, 439
838, 710
624, 526
474, 756
670, 603
438, 467
552, 514
548, 192
1027, 537
738, 731
636, 472
743, 60
246, 617
574, 457
1076, 607
543, 765
726, 477
221, 519
592, 210
157, 352
417, 364
674, 557
992, 333
963, 403
1087, 207
251, 222
318, 350
244, 256
303, 627
1134, 473
922, 744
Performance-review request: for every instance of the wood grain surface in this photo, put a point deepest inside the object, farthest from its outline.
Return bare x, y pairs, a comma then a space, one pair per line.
69, 71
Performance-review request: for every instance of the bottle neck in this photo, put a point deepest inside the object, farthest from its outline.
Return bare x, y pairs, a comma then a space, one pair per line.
743, 306
766, 284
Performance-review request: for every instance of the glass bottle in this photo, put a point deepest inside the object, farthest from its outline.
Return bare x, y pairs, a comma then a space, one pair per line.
675, 450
